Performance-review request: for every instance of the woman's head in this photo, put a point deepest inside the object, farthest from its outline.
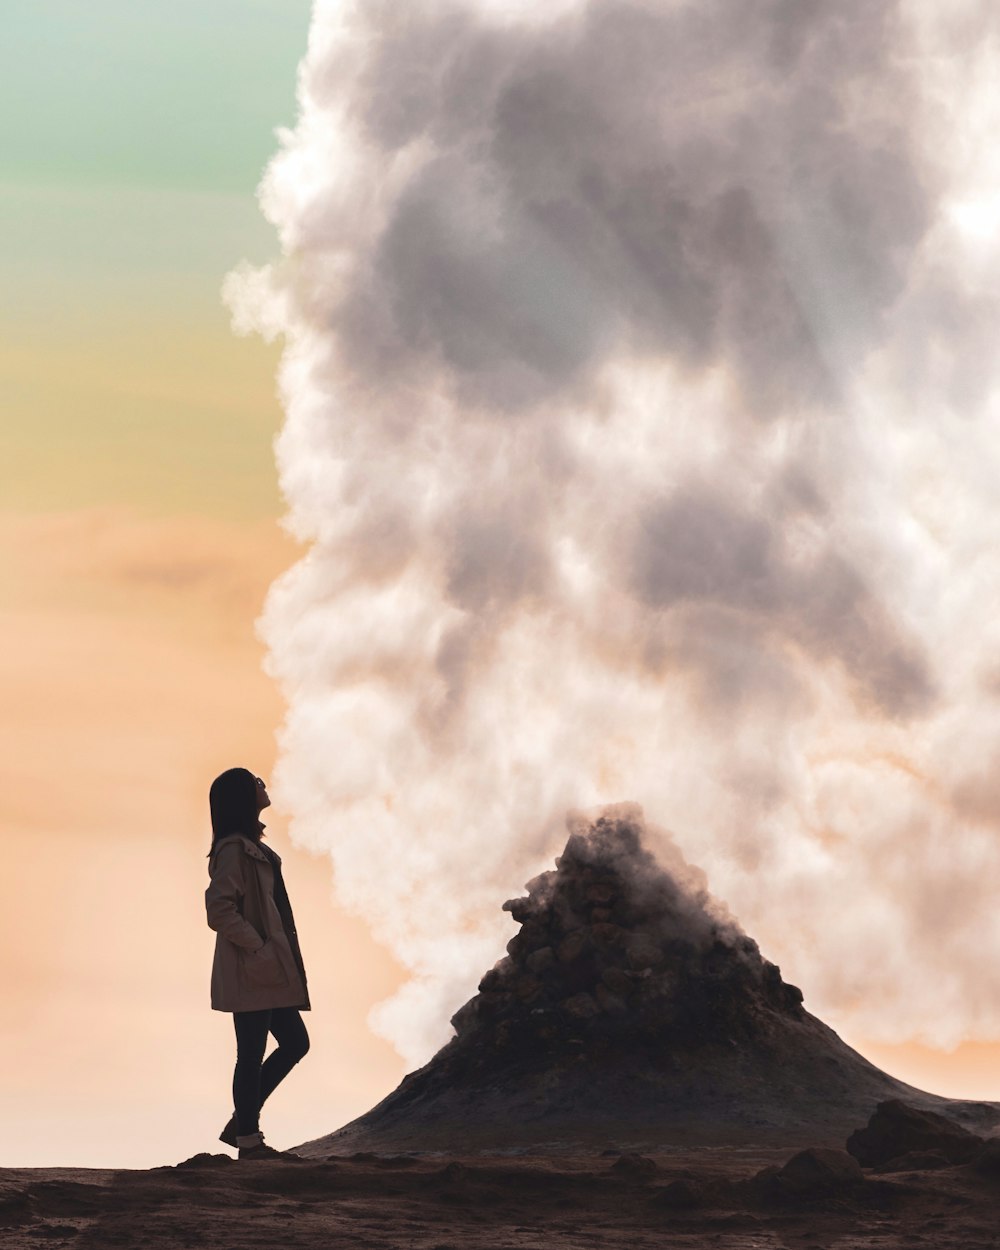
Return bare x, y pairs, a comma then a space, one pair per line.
235, 799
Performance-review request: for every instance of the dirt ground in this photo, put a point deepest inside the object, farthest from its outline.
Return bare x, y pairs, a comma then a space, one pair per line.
688, 1198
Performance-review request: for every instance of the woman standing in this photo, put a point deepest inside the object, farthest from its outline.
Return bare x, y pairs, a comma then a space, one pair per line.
258, 972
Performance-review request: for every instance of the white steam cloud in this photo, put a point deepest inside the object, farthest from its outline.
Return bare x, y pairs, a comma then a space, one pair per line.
642, 415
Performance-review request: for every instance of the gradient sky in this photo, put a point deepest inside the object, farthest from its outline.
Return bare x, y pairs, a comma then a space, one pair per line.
138, 532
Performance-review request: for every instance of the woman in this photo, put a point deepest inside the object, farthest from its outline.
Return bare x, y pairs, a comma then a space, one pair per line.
258, 972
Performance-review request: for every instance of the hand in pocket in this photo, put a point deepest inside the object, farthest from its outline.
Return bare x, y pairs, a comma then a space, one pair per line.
263, 967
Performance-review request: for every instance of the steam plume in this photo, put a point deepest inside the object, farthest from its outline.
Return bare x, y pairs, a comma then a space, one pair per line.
641, 416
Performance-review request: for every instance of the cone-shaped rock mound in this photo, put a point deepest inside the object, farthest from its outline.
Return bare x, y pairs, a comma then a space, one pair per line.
632, 1012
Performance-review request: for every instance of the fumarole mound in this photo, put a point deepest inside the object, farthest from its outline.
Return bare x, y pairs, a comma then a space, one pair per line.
630, 1012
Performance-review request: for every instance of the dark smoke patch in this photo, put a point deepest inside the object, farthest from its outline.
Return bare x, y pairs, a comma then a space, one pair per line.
696, 546
571, 205
697, 550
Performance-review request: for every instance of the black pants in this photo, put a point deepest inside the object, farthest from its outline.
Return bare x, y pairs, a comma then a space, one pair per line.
254, 1078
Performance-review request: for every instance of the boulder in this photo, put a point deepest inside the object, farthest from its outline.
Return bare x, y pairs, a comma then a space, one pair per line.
610, 1002
818, 1171
897, 1129
521, 909
987, 1161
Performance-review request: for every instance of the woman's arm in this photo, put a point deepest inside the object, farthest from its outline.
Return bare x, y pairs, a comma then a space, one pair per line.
222, 899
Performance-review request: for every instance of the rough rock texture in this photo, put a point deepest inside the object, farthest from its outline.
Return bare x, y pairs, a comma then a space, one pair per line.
820, 1171
896, 1129
680, 1199
630, 1012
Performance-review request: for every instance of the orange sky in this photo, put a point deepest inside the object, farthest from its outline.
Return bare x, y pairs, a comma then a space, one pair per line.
131, 677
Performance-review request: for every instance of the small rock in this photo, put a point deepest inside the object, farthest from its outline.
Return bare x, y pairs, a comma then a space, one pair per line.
520, 908
532, 936
572, 946
609, 1002
495, 1004
617, 981
466, 1016
580, 1007
566, 915
792, 996
543, 883
205, 1160
602, 892
642, 951
607, 936
526, 988
497, 975
635, 1167
680, 1196
541, 959
454, 1173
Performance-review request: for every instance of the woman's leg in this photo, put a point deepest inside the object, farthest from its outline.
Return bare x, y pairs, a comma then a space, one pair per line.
293, 1042
251, 1038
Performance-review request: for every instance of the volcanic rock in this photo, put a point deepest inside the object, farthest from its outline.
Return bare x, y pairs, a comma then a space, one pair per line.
635, 1167
897, 1129
683, 1195
987, 1161
820, 1171
661, 1025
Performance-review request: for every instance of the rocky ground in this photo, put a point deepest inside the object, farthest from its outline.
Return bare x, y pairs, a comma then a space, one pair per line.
729, 1199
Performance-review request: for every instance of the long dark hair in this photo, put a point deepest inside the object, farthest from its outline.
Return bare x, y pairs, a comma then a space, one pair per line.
232, 800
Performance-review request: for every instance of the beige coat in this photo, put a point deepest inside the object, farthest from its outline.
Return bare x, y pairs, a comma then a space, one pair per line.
254, 966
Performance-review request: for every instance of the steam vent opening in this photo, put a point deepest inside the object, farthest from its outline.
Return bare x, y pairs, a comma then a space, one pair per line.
630, 1012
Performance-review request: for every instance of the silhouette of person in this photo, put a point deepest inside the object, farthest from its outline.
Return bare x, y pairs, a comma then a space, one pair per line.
257, 973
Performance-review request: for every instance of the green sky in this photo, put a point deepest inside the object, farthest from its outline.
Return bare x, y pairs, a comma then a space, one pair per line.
133, 134
180, 94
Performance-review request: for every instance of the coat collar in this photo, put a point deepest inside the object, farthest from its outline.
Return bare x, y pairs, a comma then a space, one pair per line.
249, 846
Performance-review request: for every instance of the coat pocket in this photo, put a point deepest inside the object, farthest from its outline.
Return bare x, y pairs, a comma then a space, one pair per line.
262, 968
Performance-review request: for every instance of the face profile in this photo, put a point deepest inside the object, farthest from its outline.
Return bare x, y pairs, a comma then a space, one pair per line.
262, 796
